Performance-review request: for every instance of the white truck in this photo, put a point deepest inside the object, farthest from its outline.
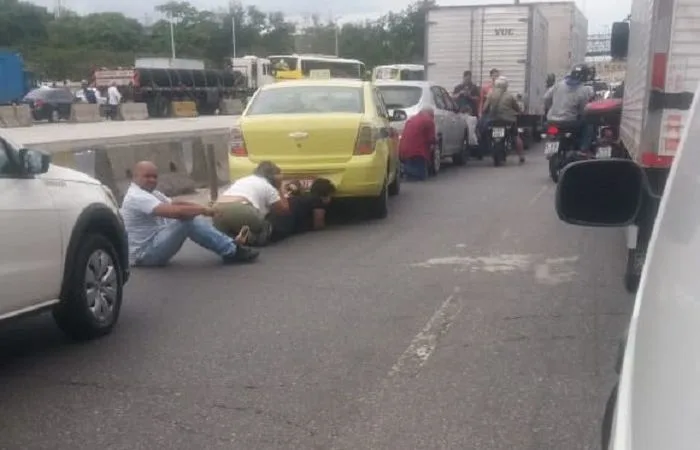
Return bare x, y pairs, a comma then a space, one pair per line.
257, 70
663, 71
510, 38
568, 36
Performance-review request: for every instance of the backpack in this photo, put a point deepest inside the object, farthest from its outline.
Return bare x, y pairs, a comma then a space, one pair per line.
90, 96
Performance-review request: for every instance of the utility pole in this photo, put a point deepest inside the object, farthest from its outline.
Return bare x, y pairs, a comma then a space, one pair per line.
233, 27
57, 12
172, 36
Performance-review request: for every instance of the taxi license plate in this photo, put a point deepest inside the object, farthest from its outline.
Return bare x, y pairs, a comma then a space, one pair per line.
551, 148
498, 132
603, 153
304, 183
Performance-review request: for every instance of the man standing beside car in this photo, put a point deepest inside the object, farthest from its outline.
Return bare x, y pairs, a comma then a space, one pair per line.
157, 226
466, 93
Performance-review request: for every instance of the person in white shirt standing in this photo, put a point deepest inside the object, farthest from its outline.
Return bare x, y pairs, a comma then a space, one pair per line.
248, 202
114, 97
157, 226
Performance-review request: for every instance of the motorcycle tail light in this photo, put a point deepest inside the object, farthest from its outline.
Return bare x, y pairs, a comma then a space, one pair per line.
552, 130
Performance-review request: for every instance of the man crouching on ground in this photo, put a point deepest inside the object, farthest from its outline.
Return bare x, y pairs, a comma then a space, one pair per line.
158, 226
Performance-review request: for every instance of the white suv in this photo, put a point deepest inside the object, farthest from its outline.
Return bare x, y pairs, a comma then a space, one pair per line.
62, 244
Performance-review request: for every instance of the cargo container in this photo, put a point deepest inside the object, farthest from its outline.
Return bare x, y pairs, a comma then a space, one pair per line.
169, 63
511, 38
568, 36
15, 82
663, 72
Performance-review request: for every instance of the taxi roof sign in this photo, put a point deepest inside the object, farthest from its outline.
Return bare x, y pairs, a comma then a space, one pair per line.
320, 74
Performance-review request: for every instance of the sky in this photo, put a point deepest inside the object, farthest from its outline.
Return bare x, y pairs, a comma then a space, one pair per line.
600, 13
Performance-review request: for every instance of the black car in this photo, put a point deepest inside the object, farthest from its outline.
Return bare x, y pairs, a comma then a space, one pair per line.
52, 104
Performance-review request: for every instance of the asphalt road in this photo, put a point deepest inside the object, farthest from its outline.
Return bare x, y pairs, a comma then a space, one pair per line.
471, 318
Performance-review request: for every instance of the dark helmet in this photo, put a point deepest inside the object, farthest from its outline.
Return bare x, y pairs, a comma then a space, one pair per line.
580, 72
551, 79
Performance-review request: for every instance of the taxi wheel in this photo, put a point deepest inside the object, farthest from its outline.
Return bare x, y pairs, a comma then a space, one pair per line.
379, 206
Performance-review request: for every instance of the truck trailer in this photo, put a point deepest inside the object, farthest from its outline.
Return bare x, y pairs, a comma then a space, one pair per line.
568, 36
510, 38
663, 71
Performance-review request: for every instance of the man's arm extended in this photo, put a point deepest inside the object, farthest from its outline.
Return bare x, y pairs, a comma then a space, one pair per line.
181, 211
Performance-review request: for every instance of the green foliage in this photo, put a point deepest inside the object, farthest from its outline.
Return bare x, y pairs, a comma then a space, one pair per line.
70, 45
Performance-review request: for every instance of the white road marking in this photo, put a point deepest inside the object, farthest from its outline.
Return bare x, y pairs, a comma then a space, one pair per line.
537, 196
555, 271
549, 271
495, 263
425, 342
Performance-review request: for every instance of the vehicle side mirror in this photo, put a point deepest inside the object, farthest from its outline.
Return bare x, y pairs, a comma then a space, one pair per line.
34, 162
399, 115
601, 193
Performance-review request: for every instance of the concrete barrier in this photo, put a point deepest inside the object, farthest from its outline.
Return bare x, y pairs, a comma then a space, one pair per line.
184, 109
84, 113
133, 111
16, 116
108, 150
230, 106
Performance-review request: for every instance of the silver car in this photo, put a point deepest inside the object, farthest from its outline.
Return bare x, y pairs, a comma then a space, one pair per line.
451, 127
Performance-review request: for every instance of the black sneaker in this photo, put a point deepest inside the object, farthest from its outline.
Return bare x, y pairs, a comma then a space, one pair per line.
522, 160
242, 255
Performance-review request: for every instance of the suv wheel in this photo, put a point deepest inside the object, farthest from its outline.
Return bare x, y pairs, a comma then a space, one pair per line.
92, 296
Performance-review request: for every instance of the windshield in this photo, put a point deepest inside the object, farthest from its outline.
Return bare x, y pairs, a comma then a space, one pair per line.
401, 96
338, 69
308, 100
283, 63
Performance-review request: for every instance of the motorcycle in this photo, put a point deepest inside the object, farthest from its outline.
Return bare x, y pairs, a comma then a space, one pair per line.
605, 115
500, 142
561, 148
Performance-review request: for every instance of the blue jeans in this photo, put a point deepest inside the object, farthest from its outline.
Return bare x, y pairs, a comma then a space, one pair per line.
169, 241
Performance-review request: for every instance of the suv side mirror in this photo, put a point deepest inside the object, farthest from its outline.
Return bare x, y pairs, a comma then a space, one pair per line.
601, 193
399, 115
34, 162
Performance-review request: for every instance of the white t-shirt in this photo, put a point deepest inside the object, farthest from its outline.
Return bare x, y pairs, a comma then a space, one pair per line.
113, 95
140, 222
257, 190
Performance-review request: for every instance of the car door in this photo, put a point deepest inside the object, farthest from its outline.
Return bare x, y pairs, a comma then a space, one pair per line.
30, 238
457, 123
443, 121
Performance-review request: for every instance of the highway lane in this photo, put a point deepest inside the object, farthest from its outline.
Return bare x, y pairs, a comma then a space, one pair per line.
470, 318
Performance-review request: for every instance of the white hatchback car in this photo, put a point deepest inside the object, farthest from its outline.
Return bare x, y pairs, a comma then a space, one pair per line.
62, 244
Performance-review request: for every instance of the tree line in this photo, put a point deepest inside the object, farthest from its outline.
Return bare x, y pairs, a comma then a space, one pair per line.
68, 45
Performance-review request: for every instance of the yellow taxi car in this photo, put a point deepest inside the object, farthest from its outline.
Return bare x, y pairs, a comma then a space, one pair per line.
334, 128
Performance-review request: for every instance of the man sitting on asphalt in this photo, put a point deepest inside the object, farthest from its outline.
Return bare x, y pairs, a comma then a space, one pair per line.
417, 141
157, 226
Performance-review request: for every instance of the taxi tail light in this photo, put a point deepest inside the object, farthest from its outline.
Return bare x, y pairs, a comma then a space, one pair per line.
365, 141
236, 143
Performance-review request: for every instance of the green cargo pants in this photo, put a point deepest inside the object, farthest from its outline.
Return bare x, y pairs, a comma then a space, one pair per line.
233, 216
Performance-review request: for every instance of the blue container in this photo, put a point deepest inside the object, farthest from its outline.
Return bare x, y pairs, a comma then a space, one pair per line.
12, 77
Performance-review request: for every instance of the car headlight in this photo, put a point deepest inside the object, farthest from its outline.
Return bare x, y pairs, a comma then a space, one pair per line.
110, 195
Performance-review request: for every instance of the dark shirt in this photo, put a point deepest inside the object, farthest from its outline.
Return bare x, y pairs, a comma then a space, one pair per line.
300, 218
471, 97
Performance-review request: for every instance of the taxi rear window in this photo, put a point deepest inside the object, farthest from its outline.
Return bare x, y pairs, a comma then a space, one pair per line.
308, 100
401, 96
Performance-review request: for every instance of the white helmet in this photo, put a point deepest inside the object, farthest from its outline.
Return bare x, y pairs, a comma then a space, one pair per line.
501, 82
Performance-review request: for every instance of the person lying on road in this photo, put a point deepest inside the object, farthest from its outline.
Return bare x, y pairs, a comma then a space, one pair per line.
249, 200
307, 211
158, 226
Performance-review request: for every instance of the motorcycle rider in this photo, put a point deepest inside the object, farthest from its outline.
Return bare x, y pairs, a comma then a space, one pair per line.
503, 108
566, 100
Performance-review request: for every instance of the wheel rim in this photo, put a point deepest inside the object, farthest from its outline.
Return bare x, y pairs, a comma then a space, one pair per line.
54, 115
101, 285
